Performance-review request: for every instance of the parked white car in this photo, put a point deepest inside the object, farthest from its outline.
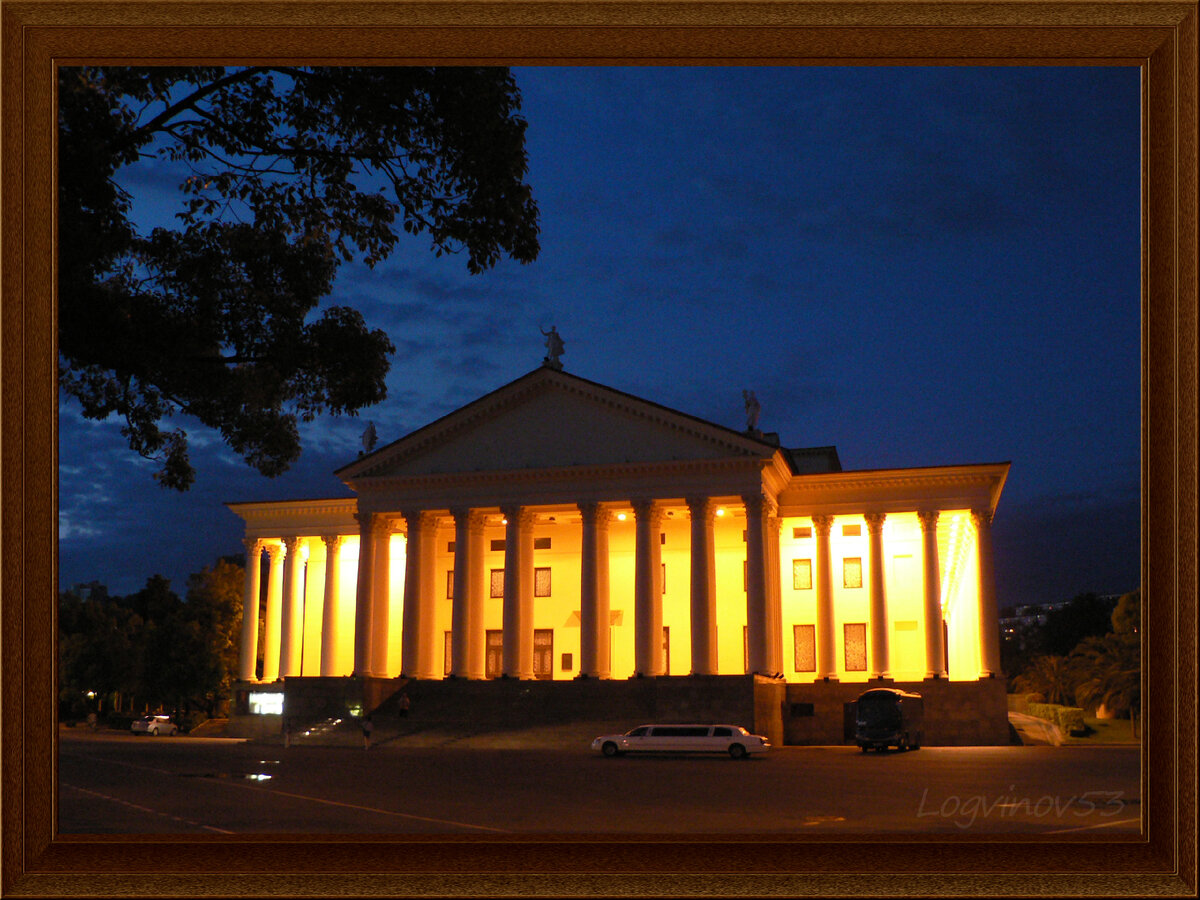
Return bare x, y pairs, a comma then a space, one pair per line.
731, 739
154, 725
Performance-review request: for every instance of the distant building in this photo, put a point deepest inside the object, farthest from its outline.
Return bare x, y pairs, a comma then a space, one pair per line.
558, 529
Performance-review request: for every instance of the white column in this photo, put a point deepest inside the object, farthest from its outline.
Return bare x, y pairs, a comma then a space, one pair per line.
703, 586
989, 621
362, 599
826, 642
429, 643
935, 650
477, 658
293, 613
274, 616
593, 593
774, 595
466, 618
410, 623
878, 614
647, 589
248, 658
381, 593
329, 608
758, 612
517, 618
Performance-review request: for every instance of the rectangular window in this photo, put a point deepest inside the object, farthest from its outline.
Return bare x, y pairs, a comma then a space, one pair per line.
498, 544
805, 637
851, 531
855, 636
541, 582
568, 662
541, 543
801, 574
446, 654
666, 650
450, 584
450, 547
662, 537
494, 662
497, 583
746, 649
801, 532
543, 653
852, 572
664, 578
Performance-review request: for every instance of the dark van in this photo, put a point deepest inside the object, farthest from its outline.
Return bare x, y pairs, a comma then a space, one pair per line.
887, 717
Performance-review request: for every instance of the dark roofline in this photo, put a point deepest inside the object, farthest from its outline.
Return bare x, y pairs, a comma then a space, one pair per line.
595, 384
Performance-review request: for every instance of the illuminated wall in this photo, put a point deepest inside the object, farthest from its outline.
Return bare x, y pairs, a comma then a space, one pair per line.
560, 611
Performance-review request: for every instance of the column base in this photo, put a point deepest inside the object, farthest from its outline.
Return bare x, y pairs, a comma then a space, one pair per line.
935, 676
886, 678
828, 679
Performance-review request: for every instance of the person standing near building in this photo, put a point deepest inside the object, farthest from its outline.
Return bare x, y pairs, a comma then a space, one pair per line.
405, 703
367, 728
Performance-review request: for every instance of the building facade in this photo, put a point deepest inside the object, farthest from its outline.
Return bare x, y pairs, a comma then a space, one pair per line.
558, 529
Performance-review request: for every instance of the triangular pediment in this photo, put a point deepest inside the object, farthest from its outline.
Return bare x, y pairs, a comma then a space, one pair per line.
548, 420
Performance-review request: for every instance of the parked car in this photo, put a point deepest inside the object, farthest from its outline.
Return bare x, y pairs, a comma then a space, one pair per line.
731, 739
889, 717
154, 725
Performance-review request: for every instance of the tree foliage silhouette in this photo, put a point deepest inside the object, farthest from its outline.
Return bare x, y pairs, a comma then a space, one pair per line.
284, 174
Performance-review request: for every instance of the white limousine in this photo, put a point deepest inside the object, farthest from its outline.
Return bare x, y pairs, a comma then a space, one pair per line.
731, 739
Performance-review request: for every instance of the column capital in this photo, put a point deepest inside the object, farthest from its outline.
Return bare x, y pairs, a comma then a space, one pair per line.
381, 524
702, 508
759, 503
418, 518
822, 525
929, 518
332, 541
594, 511
522, 515
252, 545
648, 509
364, 519
875, 521
290, 544
274, 551
981, 517
471, 516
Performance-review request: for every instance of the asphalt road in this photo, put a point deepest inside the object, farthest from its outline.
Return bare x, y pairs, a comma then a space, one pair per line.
116, 783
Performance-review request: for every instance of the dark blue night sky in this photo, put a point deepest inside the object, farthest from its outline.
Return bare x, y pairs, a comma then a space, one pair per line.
921, 266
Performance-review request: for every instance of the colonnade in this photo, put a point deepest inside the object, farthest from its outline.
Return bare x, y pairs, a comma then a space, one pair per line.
764, 628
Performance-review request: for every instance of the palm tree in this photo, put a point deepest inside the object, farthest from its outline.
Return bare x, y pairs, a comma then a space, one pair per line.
1108, 672
1049, 676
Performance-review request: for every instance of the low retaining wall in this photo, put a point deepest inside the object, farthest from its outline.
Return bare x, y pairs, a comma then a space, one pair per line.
957, 713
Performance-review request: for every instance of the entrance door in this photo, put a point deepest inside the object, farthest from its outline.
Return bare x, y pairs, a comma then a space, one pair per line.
543, 654
495, 654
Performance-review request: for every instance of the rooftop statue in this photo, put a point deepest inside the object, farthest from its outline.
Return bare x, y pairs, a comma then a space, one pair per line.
369, 438
752, 410
554, 348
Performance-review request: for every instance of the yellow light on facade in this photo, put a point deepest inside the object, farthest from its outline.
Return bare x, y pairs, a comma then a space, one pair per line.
504, 521
621, 516
720, 510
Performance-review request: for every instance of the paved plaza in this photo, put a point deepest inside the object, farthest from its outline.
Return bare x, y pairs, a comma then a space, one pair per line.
111, 782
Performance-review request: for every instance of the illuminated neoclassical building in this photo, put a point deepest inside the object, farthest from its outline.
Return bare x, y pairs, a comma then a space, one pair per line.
558, 529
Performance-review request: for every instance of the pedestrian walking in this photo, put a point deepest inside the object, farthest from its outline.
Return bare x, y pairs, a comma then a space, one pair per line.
367, 728
405, 703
